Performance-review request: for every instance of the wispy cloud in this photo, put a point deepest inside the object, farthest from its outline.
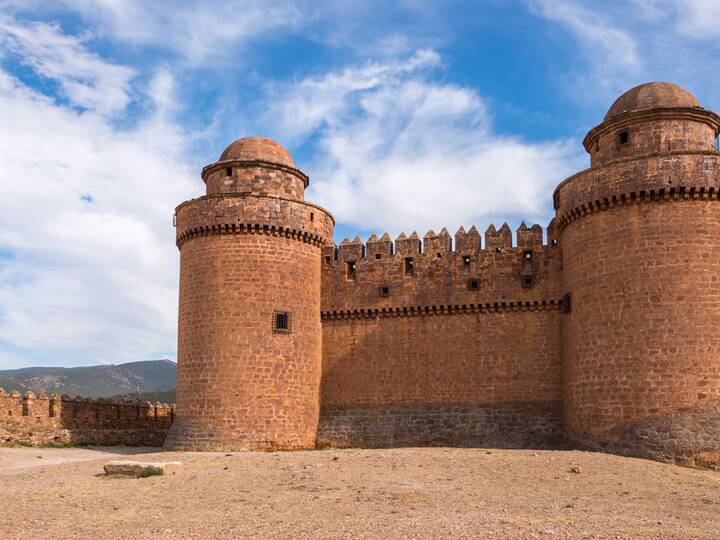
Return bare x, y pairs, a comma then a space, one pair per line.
698, 18
85, 79
196, 30
399, 151
611, 51
85, 210
627, 43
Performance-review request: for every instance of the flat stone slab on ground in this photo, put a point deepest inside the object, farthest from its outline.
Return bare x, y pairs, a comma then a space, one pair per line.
141, 468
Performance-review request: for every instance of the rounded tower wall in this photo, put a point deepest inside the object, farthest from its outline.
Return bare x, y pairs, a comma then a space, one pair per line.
642, 363
243, 383
648, 133
641, 262
256, 177
249, 331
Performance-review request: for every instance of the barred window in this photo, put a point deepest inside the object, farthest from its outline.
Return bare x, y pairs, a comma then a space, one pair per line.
281, 322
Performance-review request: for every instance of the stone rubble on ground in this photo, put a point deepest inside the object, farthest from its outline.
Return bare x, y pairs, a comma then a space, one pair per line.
139, 468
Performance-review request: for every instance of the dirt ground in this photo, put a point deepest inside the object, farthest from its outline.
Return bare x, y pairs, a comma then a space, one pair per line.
401, 493
12, 459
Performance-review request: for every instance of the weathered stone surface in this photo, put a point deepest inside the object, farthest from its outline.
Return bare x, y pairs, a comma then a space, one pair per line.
42, 420
249, 250
604, 331
141, 468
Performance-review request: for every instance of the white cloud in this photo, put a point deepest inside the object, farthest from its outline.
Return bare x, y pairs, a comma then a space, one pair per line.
197, 30
92, 281
611, 50
628, 43
699, 18
305, 106
398, 152
86, 80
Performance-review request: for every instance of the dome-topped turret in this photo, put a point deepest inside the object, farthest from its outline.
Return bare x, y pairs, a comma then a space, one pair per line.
250, 148
652, 96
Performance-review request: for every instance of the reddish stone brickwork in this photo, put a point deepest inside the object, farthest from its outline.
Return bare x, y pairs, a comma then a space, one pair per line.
250, 148
641, 259
377, 276
41, 420
244, 257
600, 335
475, 376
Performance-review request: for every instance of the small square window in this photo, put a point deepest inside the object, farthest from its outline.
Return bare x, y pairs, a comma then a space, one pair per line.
378, 255
351, 270
474, 284
466, 261
554, 242
439, 255
281, 322
409, 266
527, 255
528, 281
228, 171
384, 290
498, 251
623, 137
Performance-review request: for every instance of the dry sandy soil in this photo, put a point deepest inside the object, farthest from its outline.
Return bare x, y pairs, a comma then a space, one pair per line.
401, 493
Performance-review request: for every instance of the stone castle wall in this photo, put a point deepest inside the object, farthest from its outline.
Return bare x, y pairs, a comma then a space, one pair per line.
641, 261
601, 334
242, 383
41, 420
460, 347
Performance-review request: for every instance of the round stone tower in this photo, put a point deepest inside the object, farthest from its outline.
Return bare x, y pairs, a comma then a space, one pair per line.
249, 338
640, 233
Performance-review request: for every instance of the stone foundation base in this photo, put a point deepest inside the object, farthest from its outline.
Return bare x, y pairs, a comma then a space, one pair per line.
688, 438
187, 435
515, 425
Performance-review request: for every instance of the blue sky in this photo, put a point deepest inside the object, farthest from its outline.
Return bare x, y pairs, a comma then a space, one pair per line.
407, 116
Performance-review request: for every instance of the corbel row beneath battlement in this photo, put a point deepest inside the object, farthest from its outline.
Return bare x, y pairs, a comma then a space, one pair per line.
443, 309
672, 194
249, 228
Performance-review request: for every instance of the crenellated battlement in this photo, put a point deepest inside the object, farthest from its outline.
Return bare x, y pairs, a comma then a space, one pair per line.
40, 419
432, 243
440, 269
598, 328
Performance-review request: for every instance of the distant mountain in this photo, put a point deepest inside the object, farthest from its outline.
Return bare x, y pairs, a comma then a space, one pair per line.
9, 385
94, 381
163, 396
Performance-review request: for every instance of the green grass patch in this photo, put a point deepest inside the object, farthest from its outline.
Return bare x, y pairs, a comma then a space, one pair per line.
151, 471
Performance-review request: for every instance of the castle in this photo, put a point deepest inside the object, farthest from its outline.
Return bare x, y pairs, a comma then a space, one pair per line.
601, 335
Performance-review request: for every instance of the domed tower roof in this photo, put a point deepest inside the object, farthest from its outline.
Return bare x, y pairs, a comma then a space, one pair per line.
652, 95
251, 148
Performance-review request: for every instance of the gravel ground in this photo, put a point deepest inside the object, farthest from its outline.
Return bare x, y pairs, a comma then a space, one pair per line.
12, 459
400, 493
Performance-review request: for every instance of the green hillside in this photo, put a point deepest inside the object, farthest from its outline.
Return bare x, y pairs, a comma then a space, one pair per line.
163, 396
94, 381
9, 385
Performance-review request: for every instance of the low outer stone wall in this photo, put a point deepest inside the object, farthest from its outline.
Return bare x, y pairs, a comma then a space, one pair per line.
42, 420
